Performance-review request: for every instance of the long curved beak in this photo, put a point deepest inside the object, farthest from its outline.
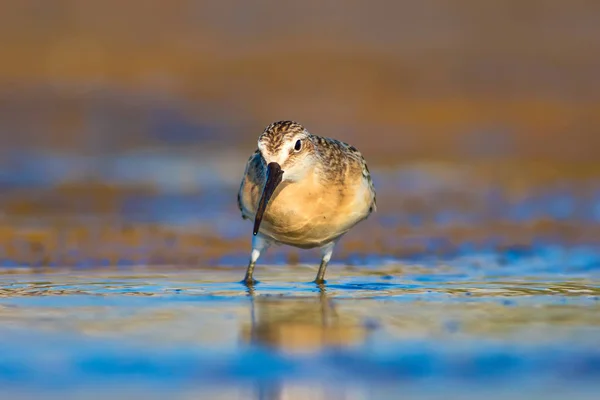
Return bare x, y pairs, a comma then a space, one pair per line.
274, 175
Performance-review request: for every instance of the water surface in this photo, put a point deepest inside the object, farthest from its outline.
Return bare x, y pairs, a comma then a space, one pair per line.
365, 334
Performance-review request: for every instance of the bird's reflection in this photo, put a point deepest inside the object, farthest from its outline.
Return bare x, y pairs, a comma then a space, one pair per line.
294, 325
299, 325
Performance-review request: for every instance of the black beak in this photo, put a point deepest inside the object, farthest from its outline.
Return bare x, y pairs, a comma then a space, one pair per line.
274, 175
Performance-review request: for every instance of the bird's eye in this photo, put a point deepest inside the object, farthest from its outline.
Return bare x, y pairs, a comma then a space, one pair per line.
298, 145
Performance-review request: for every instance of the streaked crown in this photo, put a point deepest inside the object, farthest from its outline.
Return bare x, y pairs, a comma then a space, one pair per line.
276, 134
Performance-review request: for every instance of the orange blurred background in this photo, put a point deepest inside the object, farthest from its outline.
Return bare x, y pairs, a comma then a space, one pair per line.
399, 79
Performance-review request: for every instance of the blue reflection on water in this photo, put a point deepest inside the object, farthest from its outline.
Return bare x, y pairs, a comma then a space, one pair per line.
52, 361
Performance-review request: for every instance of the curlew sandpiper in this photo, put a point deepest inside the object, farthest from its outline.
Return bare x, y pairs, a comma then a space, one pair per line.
303, 190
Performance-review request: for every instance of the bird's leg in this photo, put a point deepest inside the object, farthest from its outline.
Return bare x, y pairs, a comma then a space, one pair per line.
259, 245
326, 252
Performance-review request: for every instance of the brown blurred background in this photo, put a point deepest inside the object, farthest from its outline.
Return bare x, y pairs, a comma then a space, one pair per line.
400, 79
121, 120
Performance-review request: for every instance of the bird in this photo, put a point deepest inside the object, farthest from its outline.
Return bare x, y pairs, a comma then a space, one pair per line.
303, 190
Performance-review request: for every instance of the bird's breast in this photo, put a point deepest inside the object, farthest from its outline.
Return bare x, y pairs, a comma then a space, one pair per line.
309, 214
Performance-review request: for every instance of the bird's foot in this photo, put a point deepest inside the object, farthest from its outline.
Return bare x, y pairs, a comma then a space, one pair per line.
249, 281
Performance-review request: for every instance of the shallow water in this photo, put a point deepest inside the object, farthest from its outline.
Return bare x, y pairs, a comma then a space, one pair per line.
416, 329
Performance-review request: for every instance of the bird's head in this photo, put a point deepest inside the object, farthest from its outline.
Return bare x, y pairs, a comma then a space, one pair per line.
288, 153
287, 144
